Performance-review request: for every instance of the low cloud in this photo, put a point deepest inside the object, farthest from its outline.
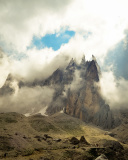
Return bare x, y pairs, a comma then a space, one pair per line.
38, 65
114, 90
27, 100
77, 81
4, 67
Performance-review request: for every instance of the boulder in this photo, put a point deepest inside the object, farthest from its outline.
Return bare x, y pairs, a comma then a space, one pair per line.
74, 141
83, 140
102, 157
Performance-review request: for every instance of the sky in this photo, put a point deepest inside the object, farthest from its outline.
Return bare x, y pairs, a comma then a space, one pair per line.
36, 37
53, 41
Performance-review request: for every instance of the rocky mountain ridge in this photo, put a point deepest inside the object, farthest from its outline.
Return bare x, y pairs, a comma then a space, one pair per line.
83, 99
75, 92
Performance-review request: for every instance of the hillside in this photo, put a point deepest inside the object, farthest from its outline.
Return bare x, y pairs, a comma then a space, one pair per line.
25, 138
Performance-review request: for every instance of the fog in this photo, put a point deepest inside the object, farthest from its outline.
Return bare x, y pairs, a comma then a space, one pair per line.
27, 100
114, 90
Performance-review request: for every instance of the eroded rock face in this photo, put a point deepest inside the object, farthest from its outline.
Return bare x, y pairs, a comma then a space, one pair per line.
86, 103
82, 97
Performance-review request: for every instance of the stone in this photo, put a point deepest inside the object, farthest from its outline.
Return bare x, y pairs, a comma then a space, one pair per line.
74, 141
83, 140
102, 157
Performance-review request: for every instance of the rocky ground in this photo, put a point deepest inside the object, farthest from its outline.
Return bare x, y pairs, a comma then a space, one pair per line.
58, 137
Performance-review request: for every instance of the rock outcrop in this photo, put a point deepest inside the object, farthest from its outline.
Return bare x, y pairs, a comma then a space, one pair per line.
83, 140
83, 99
74, 141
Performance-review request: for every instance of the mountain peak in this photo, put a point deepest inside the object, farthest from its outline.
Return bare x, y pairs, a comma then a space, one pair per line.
72, 64
7, 87
93, 71
93, 58
83, 62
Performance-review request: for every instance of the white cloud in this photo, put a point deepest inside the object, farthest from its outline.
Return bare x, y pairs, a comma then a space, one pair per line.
103, 19
38, 65
4, 67
114, 90
77, 81
106, 20
21, 20
27, 100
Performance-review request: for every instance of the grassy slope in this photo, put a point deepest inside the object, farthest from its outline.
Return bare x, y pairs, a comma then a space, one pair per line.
18, 135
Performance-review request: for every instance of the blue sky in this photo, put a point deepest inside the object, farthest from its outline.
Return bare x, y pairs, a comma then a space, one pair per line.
53, 41
118, 58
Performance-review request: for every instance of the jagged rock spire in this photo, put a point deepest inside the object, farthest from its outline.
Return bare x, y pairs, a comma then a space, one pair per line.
83, 62
98, 67
6, 88
72, 64
93, 58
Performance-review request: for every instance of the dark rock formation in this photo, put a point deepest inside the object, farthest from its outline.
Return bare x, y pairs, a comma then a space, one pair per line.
74, 141
86, 102
83, 140
56, 78
7, 87
78, 95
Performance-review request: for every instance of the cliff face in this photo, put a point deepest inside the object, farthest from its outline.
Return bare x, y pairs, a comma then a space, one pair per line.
83, 99
88, 105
